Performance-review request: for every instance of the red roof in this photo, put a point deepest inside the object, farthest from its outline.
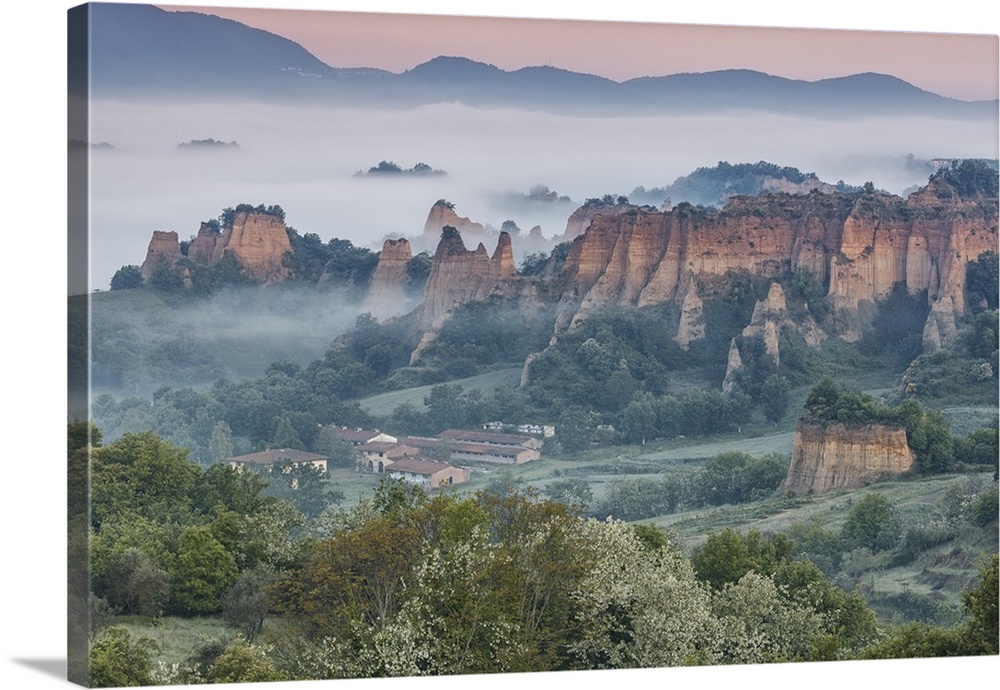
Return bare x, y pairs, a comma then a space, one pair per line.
487, 437
359, 435
416, 465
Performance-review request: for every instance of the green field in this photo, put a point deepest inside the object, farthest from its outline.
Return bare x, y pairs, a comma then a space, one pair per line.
383, 404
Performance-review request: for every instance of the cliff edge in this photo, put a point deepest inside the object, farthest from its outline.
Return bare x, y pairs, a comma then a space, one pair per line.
835, 456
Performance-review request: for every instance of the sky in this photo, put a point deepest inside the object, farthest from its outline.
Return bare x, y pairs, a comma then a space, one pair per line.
958, 65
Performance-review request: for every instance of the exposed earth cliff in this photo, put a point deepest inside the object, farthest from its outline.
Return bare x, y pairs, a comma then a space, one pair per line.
386, 296
835, 456
257, 241
861, 247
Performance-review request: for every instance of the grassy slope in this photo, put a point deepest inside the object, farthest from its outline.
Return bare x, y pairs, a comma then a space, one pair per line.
384, 403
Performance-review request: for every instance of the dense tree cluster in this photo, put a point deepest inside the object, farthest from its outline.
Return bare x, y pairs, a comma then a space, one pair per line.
229, 213
487, 333
404, 583
337, 262
390, 168
126, 278
928, 432
711, 186
969, 178
728, 478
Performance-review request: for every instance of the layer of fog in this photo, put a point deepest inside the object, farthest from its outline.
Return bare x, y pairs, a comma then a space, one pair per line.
141, 341
304, 159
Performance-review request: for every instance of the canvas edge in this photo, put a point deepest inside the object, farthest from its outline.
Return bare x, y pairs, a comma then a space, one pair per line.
78, 342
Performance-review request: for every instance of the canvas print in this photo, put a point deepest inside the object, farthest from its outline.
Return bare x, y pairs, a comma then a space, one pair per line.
407, 345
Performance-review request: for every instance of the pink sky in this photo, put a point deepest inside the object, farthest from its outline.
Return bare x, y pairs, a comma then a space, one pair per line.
957, 65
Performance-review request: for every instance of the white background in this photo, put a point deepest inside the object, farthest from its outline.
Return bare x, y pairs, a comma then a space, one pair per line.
32, 624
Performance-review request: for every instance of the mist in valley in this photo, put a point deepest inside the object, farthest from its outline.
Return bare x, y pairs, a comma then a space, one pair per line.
305, 159
143, 340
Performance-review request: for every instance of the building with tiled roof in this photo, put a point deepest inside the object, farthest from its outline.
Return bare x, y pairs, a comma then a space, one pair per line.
475, 452
274, 456
357, 437
492, 439
376, 456
430, 474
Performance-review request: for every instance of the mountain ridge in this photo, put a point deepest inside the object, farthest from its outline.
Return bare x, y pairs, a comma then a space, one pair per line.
143, 51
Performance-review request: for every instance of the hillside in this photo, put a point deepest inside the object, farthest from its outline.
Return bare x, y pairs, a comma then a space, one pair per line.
142, 51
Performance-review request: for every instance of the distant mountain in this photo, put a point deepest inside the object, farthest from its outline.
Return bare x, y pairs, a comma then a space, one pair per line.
143, 51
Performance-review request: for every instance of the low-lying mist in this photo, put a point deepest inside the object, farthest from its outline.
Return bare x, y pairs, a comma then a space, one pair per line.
142, 339
304, 159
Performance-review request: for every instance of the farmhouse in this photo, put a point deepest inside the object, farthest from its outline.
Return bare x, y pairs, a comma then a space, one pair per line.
430, 474
376, 456
492, 439
277, 456
476, 452
357, 437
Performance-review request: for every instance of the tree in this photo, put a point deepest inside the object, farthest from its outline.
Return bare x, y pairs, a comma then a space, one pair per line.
575, 493
418, 269
872, 523
165, 279
245, 604
638, 419
572, 430
140, 473
637, 606
444, 407
116, 660
757, 624
204, 570
981, 606
220, 445
241, 662
127, 278
775, 396
136, 585
982, 280
727, 556
821, 403
285, 434
532, 264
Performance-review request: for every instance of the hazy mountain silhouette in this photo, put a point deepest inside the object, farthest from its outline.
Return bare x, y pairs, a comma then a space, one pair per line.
142, 51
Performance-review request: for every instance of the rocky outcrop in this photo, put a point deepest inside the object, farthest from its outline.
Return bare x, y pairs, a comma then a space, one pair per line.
835, 456
386, 296
692, 323
770, 318
442, 214
859, 246
164, 249
734, 362
459, 275
257, 241
203, 246
582, 217
862, 246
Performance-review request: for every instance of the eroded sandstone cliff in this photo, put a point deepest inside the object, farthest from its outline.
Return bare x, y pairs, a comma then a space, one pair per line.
836, 456
442, 214
386, 296
459, 275
861, 246
163, 250
258, 241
